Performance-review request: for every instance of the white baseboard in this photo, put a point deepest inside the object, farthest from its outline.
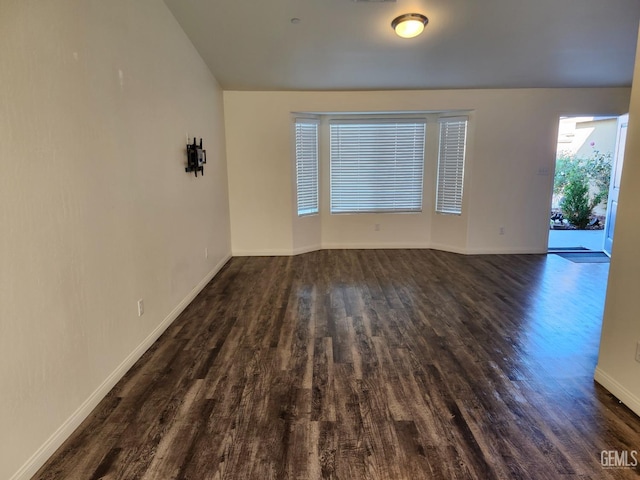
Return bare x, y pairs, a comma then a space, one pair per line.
262, 253
435, 246
371, 246
618, 390
504, 251
382, 246
324, 246
448, 248
47, 449
301, 250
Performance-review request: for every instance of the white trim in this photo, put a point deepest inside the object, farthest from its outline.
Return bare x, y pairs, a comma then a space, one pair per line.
371, 246
31, 466
382, 246
307, 119
488, 251
459, 118
311, 248
263, 253
447, 248
618, 390
505, 251
376, 120
327, 246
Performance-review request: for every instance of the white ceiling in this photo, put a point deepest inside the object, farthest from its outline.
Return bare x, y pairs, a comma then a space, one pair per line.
349, 45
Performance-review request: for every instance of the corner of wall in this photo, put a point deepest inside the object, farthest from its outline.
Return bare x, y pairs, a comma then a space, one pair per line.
84, 410
618, 390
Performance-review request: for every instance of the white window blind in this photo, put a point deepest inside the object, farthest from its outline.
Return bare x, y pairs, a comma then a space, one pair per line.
377, 166
307, 166
453, 135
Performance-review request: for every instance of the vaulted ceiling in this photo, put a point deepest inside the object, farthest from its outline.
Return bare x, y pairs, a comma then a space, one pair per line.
349, 45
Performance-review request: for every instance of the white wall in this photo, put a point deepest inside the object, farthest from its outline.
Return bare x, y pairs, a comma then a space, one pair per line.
261, 179
96, 211
617, 369
513, 137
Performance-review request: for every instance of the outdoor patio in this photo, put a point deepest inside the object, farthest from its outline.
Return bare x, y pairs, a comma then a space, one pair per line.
572, 239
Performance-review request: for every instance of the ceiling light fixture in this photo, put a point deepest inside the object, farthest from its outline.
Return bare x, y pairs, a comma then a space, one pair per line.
409, 25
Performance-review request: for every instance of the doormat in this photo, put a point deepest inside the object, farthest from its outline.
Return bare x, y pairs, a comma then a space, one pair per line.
585, 257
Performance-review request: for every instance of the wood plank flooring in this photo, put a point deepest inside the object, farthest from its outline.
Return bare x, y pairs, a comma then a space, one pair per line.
368, 364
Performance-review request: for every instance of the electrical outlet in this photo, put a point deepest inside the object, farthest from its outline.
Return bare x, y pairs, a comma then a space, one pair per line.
140, 307
501, 231
206, 252
638, 352
376, 227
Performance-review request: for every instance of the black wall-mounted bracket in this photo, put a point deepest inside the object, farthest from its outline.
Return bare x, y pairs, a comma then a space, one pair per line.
196, 158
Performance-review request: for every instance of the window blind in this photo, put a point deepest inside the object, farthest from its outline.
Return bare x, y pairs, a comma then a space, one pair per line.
307, 166
377, 166
453, 135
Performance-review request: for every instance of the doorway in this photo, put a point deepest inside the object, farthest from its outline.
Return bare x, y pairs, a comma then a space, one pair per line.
584, 197
616, 174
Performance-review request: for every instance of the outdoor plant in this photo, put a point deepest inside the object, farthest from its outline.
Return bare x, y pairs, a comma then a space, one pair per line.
576, 205
583, 184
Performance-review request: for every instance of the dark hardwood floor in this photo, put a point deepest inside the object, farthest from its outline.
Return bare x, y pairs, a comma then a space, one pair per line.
378, 364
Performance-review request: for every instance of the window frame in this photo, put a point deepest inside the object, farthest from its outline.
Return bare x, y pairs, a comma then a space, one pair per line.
314, 209
395, 196
451, 165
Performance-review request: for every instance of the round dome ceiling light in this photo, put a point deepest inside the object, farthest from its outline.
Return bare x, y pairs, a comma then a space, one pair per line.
409, 25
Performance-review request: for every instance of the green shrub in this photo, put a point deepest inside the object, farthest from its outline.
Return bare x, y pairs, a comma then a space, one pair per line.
575, 205
572, 181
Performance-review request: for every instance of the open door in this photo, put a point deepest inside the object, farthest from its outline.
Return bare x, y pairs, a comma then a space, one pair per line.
614, 187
